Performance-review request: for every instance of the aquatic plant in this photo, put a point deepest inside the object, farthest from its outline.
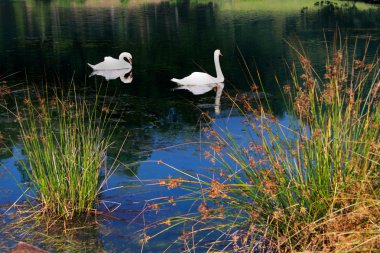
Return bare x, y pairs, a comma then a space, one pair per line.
65, 139
310, 182
82, 234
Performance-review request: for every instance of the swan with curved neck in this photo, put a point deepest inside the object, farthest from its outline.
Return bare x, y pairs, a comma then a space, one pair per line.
201, 78
109, 63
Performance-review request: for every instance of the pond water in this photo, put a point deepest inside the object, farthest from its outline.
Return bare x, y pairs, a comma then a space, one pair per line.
50, 42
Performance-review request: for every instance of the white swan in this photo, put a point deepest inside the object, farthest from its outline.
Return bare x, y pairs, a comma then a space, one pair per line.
109, 63
125, 75
200, 78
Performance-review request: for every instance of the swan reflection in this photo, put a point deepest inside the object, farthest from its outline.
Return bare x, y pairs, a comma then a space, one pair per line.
125, 75
202, 89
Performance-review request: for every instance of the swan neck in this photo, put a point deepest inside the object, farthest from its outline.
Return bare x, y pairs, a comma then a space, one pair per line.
219, 74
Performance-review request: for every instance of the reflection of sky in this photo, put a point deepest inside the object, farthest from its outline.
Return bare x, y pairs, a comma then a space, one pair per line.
188, 158
10, 177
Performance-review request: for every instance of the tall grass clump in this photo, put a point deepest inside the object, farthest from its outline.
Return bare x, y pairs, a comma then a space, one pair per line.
65, 139
309, 182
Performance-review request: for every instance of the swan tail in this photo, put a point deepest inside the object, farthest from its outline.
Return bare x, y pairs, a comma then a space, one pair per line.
178, 81
92, 66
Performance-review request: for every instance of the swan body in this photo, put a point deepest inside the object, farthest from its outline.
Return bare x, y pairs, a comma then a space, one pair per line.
109, 63
201, 78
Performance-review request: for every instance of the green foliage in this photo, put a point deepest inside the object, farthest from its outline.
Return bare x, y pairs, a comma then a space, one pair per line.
66, 143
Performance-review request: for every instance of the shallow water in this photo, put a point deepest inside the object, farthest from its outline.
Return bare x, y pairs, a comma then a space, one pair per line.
51, 42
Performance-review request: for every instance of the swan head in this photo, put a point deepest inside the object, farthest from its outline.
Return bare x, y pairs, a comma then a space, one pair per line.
126, 56
217, 52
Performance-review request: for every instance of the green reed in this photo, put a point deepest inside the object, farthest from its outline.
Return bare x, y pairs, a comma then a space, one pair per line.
309, 183
65, 140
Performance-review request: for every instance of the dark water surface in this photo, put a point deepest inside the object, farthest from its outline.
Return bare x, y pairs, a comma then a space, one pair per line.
50, 42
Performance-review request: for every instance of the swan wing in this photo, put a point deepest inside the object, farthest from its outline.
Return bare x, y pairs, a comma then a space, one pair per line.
109, 59
110, 63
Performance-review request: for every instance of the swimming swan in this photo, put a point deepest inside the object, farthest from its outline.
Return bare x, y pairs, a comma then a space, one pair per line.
200, 78
124, 62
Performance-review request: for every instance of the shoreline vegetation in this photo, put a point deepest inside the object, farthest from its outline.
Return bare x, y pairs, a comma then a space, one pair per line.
310, 184
65, 139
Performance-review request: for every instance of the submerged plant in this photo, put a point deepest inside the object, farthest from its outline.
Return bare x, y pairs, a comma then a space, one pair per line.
65, 139
310, 182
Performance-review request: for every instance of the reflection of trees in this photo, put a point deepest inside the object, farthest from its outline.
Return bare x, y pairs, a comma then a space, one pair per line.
166, 40
9, 134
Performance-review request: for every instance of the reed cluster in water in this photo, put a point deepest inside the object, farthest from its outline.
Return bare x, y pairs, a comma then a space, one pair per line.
310, 183
65, 140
